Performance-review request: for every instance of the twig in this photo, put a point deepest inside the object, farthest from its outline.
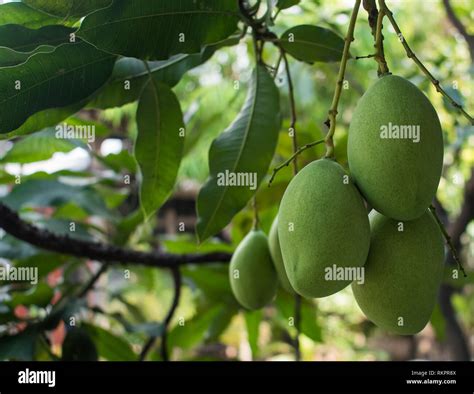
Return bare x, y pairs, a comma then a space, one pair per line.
256, 219
331, 121
412, 56
447, 237
297, 326
365, 57
92, 281
290, 159
380, 56
64, 244
291, 93
177, 281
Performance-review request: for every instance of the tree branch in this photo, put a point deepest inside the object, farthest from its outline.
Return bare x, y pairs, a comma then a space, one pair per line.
64, 244
459, 26
164, 336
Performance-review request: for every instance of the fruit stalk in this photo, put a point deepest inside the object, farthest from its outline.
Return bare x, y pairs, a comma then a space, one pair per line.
332, 114
380, 57
300, 150
448, 240
412, 55
295, 171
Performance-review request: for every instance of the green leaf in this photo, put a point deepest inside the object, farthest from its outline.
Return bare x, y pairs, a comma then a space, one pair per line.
194, 331
110, 346
247, 146
159, 144
39, 295
184, 26
67, 8
44, 193
130, 76
213, 281
78, 346
69, 74
312, 44
37, 147
19, 347
44, 119
252, 321
285, 304
44, 261
23, 39
10, 57
283, 4
21, 14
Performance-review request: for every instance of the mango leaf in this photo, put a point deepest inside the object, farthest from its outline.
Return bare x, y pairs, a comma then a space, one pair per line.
10, 57
252, 321
67, 8
44, 119
23, 39
44, 261
39, 146
193, 331
20, 347
69, 74
78, 346
312, 44
213, 281
285, 304
283, 4
159, 144
44, 193
247, 148
130, 76
39, 295
184, 26
110, 346
21, 14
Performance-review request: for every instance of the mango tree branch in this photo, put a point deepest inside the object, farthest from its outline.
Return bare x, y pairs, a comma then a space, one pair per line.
331, 121
459, 26
64, 244
177, 279
411, 55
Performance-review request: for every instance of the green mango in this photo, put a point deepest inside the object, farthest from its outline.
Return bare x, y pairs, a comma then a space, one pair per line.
403, 273
275, 252
323, 229
397, 175
253, 278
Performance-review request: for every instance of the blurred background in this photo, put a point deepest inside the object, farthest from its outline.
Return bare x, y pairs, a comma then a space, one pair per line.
94, 186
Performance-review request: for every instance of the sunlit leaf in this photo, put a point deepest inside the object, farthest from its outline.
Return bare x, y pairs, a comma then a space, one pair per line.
312, 44
246, 147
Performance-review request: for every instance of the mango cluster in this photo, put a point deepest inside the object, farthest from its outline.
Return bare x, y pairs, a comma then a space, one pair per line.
323, 239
